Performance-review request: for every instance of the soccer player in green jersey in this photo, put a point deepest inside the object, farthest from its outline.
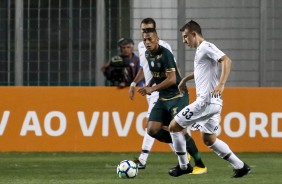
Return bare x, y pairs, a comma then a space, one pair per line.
166, 79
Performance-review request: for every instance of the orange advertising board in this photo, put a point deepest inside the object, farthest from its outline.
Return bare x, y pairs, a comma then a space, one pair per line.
104, 119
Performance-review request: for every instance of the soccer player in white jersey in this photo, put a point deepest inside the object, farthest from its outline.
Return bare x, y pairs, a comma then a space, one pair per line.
144, 73
204, 113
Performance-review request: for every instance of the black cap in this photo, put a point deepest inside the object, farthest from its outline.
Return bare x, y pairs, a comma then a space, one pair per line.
124, 41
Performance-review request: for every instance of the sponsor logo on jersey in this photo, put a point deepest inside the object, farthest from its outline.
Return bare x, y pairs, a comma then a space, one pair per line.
174, 110
159, 74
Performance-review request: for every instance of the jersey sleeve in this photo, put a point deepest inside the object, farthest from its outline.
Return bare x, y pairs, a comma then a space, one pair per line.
169, 63
213, 52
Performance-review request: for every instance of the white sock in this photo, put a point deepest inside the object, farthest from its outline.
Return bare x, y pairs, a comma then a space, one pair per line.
147, 145
179, 144
235, 161
223, 151
171, 146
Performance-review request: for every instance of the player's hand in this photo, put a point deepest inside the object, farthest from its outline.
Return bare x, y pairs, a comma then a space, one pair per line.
218, 90
181, 87
131, 92
145, 91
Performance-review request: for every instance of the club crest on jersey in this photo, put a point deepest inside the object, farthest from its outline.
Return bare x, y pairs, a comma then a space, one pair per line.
159, 56
152, 63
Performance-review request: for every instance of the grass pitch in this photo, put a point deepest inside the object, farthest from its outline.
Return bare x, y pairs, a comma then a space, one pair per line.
91, 168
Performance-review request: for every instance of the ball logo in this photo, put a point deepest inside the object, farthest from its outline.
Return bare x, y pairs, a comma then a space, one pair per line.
127, 169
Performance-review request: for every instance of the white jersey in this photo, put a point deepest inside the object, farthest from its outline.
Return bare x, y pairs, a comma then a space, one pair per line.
206, 71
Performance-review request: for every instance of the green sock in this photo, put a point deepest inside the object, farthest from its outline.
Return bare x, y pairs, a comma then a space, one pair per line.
193, 150
163, 136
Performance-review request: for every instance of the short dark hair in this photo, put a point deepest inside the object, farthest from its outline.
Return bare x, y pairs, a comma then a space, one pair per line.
125, 41
149, 21
192, 26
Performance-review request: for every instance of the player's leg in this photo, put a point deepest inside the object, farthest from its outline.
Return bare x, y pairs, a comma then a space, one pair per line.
147, 145
170, 144
156, 131
186, 117
191, 147
209, 131
224, 152
148, 141
157, 118
179, 144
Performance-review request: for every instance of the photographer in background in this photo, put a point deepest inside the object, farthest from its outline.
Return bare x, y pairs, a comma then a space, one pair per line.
122, 69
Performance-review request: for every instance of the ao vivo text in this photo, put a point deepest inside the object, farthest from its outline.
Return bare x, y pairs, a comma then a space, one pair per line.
255, 124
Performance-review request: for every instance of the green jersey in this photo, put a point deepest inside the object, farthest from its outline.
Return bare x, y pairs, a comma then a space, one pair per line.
160, 62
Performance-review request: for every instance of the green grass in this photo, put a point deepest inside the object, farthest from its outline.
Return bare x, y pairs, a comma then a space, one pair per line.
86, 168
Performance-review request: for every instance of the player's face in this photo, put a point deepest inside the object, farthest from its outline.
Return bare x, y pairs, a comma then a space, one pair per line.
188, 38
151, 41
145, 26
127, 49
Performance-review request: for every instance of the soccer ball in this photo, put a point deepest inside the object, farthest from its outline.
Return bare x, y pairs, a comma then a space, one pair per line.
127, 169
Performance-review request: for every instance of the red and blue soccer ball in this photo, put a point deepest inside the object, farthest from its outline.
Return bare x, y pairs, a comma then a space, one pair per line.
127, 169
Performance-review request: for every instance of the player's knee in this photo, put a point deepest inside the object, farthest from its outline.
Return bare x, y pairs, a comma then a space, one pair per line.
174, 127
152, 132
162, 136
209, 139
153, 128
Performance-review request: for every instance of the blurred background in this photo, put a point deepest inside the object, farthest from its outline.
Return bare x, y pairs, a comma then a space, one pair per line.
65, 42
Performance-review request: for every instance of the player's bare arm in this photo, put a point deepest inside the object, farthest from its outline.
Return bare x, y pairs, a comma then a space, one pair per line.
143, 91
188, 77
139, 77
170, 80
182, 83
225, 71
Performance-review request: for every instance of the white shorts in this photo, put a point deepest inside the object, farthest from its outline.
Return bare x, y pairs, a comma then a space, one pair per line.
151, 99
204, 117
